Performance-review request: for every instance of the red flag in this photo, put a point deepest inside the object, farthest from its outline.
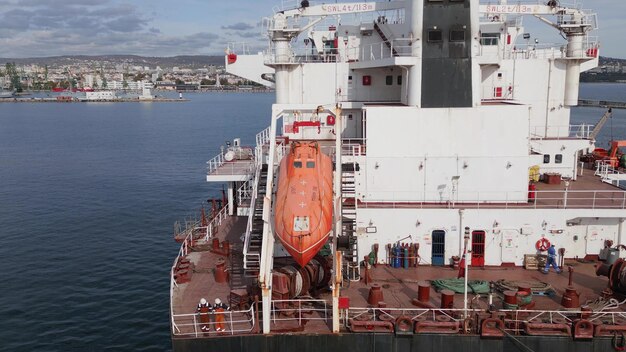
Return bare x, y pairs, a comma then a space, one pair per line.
462, 266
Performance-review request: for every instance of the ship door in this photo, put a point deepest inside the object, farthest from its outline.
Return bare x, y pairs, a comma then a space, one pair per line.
439, 247
478, 248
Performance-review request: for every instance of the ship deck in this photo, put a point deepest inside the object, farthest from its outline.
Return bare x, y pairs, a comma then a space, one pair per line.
399, 287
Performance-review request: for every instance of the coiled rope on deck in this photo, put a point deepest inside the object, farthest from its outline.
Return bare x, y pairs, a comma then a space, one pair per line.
601, 304
536, 287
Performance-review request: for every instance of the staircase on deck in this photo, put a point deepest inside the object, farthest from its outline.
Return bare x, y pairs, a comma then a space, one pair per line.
348, 241
382, 35
255, 239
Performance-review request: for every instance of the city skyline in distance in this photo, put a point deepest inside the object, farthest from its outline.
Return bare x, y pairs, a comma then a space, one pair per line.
161, 28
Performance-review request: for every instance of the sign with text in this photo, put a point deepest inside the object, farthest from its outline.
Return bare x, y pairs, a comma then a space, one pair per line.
348, 8
516, 9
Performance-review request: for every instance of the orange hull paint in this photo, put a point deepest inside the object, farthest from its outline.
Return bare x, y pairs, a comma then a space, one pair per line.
304, 201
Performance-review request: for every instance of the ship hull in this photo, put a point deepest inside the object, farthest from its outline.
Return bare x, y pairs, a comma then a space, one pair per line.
388, 343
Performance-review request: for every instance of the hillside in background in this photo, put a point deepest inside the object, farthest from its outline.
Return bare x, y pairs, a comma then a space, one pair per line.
198, 61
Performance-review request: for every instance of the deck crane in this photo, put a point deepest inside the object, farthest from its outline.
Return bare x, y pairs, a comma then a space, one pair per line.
573, 23
596, 130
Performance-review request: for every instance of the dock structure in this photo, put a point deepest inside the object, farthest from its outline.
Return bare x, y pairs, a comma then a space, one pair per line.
602, 103
76, 100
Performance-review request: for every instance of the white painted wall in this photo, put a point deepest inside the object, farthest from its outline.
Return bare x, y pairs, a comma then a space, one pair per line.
526, 81
412, 154
567, 148
557, 225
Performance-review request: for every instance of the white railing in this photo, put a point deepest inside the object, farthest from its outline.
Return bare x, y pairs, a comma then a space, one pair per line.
294, 309
184, 249
249, 258
561, 132
244, 192
216, 222
415, 314
382, 50
609, 174
557, 199
237, 322
263, 137
240, 48
515, 319
352, 149
589, 50
215, 163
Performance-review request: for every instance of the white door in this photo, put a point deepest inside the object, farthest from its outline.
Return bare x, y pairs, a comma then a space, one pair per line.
509, 246
595, 242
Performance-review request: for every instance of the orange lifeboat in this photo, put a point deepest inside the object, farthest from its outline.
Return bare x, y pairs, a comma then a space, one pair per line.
304, 201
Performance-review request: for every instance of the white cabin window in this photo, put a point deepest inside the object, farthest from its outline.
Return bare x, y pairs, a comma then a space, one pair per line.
546, 158
558, 158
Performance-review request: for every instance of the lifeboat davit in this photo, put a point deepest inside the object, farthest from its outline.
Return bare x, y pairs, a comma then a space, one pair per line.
304, 201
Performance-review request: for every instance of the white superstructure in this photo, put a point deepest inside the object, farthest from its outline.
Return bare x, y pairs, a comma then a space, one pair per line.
444, 109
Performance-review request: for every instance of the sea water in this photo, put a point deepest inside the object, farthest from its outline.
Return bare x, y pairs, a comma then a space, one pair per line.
89, 194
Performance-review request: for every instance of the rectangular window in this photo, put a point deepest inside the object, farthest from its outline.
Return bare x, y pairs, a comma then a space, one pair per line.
435, 35
489, 38
558, 158
310, 164
457, 36
546, 158
389, 80
297, 164
399, 80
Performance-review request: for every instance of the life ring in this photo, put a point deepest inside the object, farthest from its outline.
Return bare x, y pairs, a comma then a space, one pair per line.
543, 244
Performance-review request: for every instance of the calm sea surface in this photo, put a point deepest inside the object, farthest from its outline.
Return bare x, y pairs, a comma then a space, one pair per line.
88, 197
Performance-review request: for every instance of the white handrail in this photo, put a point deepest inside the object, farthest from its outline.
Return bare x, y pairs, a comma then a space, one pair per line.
253, 200
240, 322
216, 221
215, 163
552, 199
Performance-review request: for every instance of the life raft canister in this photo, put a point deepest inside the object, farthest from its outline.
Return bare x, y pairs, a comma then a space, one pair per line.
543, 244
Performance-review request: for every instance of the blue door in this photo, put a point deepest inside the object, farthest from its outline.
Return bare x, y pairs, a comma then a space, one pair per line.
439, 247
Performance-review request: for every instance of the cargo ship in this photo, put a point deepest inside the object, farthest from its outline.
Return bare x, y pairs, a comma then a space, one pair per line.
418, 174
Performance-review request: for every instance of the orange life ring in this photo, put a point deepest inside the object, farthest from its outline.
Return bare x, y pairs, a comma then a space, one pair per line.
543, 244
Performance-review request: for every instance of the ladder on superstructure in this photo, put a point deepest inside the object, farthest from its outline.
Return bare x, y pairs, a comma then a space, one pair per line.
382, 35
255, 237
348, 240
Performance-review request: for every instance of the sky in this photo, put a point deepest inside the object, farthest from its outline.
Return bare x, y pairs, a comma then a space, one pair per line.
40, 28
